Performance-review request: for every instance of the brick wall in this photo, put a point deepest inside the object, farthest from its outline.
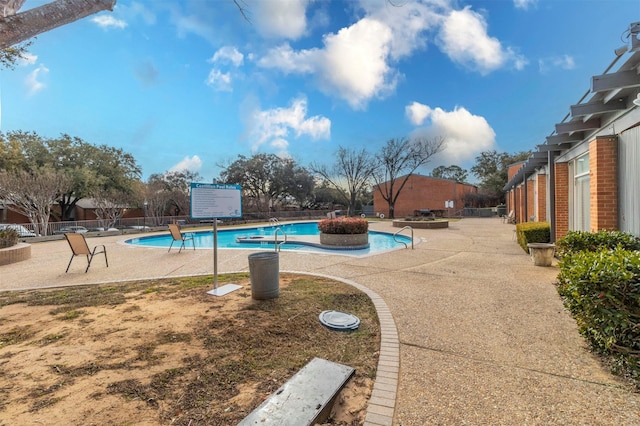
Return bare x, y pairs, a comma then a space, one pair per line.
541, 214
562, 199
603, 181
423, 192
519, 203
531, 203
14, 217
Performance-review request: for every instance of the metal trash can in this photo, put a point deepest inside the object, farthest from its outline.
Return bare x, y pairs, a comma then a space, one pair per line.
264, 269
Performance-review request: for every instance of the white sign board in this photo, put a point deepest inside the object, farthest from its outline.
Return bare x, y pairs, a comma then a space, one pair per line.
215, 200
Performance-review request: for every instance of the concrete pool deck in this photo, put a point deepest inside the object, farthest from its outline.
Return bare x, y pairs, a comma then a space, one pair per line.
473, 332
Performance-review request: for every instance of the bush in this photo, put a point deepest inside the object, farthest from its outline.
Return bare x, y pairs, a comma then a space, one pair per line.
343, 225
601, 289
576, 241
8, 238
533, 232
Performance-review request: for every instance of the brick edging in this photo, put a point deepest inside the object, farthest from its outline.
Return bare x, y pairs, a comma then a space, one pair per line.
382, 403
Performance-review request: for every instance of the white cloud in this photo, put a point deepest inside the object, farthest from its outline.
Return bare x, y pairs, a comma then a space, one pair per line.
463, 37
280, 18
466, 134
198, 22
524, 4
192, 164
34, 85
564, 62
417, 113
219, 81
108, 21
228, 54
352, 65
408, 22
27, 59
138, 9
357, 63
276, 127
287, 60
280, 147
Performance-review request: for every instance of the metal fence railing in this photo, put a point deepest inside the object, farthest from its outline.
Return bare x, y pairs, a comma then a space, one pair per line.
151, 222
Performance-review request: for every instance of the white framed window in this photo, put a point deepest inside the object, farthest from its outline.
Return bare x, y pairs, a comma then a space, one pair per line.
581, 197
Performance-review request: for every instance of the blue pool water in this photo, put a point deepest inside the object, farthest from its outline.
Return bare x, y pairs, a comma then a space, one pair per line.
227, 239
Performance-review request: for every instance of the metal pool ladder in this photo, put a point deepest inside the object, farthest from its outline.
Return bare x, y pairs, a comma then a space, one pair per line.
399, 231
274, 221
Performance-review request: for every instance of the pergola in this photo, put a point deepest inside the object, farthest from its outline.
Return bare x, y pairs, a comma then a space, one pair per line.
611, 96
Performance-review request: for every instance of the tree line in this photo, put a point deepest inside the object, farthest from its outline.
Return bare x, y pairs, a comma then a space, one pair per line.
37, 173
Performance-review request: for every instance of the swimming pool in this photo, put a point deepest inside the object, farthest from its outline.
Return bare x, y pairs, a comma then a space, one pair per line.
252, 239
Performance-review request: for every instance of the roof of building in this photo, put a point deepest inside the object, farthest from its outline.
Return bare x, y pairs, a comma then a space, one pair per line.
431, 177
611, 96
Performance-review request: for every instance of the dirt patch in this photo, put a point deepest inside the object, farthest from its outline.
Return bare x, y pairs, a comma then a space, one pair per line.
165, 352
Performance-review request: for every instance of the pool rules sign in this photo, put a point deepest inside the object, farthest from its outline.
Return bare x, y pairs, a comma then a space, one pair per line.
214, 201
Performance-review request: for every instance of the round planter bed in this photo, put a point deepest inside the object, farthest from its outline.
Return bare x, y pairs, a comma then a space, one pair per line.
421, 224
13, 254
345, 240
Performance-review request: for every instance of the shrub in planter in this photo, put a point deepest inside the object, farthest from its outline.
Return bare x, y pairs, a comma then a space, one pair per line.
343, 225
575, 241
533, 232
601, 289
8, 238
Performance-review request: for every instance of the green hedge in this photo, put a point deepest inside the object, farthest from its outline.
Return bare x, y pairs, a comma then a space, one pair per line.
576, 241
532, 232
599, 282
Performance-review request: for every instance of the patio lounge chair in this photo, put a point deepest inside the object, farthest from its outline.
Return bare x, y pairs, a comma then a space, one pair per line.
179, 236
510, 218
79, 247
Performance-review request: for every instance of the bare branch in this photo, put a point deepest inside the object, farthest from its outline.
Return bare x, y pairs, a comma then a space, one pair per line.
24, 25
242, 7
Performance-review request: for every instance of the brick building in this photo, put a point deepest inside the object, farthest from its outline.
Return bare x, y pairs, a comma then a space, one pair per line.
424, 192
585, 176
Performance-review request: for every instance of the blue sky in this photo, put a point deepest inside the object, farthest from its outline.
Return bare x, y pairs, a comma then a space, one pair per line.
192, 84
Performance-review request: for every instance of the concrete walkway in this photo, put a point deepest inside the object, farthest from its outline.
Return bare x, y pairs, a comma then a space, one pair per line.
481, 333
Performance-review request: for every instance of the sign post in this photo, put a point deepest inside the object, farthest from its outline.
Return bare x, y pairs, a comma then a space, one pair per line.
216, 201
448, 205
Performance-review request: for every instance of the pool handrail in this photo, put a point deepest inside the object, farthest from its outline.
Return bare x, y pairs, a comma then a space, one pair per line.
399, 231
275, 238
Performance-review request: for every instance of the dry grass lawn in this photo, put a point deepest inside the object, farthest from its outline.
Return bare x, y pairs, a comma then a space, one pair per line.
163, 352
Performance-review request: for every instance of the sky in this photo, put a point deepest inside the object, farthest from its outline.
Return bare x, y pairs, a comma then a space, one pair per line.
192, 84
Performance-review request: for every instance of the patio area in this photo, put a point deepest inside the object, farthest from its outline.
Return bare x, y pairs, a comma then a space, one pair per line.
480, 332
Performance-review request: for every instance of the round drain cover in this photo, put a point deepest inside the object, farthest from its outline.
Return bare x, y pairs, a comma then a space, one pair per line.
339, 320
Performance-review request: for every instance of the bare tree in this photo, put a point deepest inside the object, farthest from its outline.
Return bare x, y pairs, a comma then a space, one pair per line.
350, 175
402, 157
33, 193
110, 206
156, 199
